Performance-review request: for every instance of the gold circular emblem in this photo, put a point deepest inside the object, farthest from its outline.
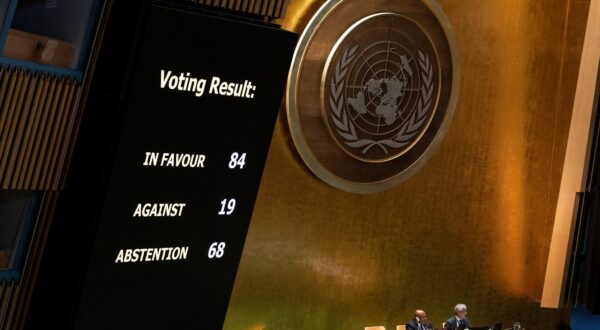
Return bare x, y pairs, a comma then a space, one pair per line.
371, 91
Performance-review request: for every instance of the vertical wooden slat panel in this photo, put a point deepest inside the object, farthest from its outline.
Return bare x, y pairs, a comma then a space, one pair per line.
37, 118
65, 138
271, 9
7, 126
13, 136
256, 8
37, 112
273, 6
42, 161
50, 135
264, 7
276, 8
280, 6
267, 9
277, 12
6, 109
20, 133
56, 138
6, 78
15, 86
259, 6
31, 118
31, 174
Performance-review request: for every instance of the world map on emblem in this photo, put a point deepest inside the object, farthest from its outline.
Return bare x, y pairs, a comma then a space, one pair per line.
380, 87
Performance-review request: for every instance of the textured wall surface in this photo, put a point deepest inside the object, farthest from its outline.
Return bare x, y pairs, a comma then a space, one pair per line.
472, 226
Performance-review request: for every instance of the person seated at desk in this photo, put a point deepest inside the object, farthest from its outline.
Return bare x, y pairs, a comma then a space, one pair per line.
459, 320
419, 322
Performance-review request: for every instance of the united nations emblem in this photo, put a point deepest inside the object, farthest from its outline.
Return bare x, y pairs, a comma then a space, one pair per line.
368, 112
381, 86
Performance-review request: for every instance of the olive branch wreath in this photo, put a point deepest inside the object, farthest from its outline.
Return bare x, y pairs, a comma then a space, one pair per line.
345, 128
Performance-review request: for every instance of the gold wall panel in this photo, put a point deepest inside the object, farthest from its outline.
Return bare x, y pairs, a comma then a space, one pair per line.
473, 226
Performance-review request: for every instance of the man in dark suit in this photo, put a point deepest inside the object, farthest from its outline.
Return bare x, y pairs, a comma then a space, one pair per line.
459, 321
419, 322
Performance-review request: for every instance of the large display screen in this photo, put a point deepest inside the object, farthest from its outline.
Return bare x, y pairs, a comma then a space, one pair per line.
199, 115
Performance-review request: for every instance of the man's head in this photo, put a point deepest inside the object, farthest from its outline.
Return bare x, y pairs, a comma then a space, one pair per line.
420, 316
460, 310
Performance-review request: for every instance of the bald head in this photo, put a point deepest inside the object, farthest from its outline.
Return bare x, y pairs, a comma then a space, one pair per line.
420, 316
